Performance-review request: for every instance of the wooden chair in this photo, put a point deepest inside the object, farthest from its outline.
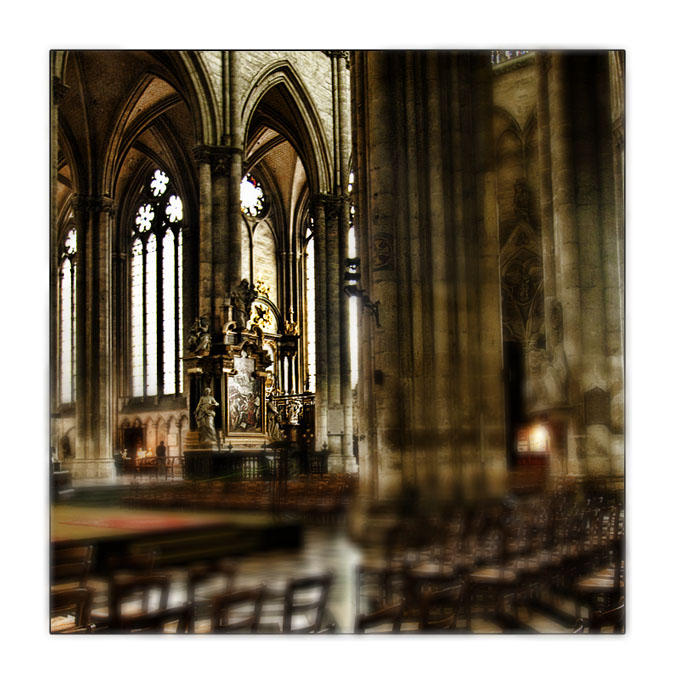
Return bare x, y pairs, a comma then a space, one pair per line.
70, 610
237, 611
385, 620
440, 609
600, 621
304, 606
71, 566
205, 580
601, 588
203, 574
132, 595
175, 620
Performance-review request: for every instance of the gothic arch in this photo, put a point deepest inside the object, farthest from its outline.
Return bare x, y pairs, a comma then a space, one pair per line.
313, 152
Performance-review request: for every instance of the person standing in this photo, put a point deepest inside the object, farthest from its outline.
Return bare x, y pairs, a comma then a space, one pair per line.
161, 458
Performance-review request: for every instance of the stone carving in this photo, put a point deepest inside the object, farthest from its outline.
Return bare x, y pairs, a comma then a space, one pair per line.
383, 252
205, 415
273, 422
242, 299
547, 374
199, 338
291, 328
294, 411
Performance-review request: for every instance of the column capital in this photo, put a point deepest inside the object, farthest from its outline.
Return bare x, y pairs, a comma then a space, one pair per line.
338, 54
93, 204
219, 157
332, 204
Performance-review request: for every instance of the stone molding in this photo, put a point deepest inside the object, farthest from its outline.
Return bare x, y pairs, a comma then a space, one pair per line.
333, 205
93, 204
339, 54
219, 157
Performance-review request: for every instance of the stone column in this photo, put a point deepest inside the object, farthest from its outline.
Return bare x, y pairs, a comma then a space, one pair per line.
489, 415
344, 137
220, 175
93, 457
234, 222
379, 277
565, 238
543, 63
236, 137
58, 93
334, 329
321, 333
205, 293
432, 393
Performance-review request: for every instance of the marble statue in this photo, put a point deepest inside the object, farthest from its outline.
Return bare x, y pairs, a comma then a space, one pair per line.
199, 338
205, 415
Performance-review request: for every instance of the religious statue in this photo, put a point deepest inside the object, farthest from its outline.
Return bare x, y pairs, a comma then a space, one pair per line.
273, 422
242, 298
547, 374
291, 328
199, 338
205, 415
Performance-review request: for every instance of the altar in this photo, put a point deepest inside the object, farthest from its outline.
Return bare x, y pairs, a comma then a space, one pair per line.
244, 417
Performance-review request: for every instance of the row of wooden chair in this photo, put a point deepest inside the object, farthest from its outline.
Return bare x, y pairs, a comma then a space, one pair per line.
139, 602
501, 559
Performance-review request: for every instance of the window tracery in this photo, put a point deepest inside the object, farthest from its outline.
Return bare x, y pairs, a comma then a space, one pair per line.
156, 290
253, 199
67, 317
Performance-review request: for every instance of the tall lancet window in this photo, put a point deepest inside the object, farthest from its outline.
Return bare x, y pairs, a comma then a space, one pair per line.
156, 270
67, 318
353, 310
310, 310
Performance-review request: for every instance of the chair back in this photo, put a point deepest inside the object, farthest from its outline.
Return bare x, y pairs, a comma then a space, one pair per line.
237, 611
306, 596
205, 574
71, 565
440, 609
175, 620
385, 620
70, 609
141, 587
615, 618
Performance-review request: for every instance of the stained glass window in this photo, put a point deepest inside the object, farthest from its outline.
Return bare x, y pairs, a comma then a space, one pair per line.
156, 271
67, 317
253, 200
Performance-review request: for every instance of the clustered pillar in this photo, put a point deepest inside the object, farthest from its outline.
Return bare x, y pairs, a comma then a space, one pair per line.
93, 216
582, 252
430, 401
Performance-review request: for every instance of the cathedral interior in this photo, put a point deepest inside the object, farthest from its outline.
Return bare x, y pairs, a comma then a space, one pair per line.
337, 341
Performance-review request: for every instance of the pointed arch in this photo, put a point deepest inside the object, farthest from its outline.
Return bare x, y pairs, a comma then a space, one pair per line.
311, 143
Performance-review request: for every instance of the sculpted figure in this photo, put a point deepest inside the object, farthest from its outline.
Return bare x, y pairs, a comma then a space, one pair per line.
546, 382
205, 415
273, 422
199, 338
242, 298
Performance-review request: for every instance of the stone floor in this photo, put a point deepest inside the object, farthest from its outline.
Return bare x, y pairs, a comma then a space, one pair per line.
329, 549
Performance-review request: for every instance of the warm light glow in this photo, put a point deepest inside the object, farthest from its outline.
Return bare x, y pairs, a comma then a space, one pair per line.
539, 438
